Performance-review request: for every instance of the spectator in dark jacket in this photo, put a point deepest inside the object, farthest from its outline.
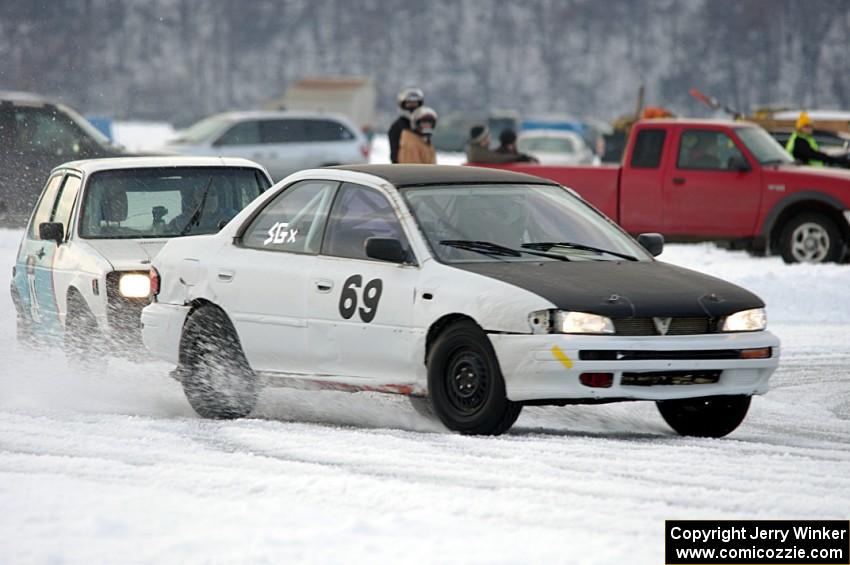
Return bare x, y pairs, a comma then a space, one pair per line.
507, 146
408, 100
478, 150
804, 148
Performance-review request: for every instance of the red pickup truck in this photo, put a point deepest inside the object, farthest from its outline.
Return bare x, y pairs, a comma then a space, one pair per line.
725, 181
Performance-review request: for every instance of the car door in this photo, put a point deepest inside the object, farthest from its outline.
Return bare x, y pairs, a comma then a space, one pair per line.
285, 140
712, 190
242, 139
33, 268
330, 143
361, 309
263, 279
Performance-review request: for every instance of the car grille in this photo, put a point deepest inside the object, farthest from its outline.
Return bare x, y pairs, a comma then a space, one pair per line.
678, 326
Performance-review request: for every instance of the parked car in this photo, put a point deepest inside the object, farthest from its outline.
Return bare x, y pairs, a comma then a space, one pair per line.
36, 135
474, 291
554, 147
717, 180
283, 142
81, 274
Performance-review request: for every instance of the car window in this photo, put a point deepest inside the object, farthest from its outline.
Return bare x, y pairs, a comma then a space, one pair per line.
283, 131
47, 131
65, 204
294, 220
45, 205
358, 214
243, 133
648, 146
707, 150
165, 201
327, 130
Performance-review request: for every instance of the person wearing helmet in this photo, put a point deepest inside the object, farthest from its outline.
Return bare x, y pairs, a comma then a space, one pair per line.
804, 148
415, 143
408, 101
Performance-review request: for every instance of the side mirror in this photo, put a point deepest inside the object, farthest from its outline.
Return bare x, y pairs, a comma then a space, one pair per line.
385, 249
51, 231
739, 164
652, 242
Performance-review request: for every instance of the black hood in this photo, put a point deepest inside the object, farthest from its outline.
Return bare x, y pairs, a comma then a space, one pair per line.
622, 289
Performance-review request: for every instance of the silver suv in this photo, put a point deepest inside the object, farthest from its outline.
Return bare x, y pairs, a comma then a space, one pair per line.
283, 142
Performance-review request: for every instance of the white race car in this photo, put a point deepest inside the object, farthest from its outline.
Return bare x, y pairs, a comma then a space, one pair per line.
81, 275
473, 291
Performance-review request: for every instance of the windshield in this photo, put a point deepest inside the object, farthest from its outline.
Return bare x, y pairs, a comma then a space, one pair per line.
201, 131
764, 148
546, 145
166, 201
474, 223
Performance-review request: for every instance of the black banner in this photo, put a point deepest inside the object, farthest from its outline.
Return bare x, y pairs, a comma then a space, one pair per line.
757, 542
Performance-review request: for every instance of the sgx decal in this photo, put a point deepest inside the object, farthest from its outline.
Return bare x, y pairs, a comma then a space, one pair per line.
371, 296
280, 233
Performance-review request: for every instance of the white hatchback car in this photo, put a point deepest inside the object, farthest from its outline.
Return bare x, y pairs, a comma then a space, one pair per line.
474, 291
81, 274
283, 142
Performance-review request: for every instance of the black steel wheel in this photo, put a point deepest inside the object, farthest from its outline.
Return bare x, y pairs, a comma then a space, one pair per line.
216, 377
465, 383
709, 416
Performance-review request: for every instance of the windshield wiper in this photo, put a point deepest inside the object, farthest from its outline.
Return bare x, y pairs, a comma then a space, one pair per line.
547, 245
195, 218
776, 162
490, 248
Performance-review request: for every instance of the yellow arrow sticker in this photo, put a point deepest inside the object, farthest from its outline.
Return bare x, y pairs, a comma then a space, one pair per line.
562, 357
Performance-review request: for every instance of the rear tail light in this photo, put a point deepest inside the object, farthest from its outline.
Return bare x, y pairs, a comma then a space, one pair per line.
154, 278
597, 380
364, 150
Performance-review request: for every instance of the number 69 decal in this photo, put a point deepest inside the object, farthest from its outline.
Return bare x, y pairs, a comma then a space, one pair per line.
371, 295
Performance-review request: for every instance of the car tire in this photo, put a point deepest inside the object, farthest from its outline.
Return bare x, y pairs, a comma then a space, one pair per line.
811, 238
709, 416
465, 383
217, 380
83, 340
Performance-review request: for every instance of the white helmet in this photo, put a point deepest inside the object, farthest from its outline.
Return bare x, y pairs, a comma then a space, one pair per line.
409, 99
424, 120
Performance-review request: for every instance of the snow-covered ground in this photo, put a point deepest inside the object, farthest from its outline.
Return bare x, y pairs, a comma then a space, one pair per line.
115, 467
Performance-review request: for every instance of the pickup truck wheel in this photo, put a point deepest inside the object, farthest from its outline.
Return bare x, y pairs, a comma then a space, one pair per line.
709, 416
811, 238
465, 383
216, 377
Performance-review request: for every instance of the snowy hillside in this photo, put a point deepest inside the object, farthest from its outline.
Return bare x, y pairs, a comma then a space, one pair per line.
115, 467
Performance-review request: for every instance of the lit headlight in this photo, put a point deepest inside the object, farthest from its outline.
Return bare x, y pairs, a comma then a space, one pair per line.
745, 321
582, 323
134, 285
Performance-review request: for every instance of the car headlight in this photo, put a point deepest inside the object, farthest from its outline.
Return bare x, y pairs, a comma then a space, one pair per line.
745, 321
134, 285
581, 323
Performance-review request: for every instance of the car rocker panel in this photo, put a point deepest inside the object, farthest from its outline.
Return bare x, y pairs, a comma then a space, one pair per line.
564, 327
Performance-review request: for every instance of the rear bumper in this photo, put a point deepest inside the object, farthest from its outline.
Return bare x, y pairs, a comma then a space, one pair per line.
162, 325
548, 367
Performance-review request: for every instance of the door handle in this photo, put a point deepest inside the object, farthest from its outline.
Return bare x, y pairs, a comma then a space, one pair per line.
678, 180
324, 285
225, 276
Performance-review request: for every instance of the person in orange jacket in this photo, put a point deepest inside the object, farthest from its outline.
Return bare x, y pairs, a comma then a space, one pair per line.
415, 143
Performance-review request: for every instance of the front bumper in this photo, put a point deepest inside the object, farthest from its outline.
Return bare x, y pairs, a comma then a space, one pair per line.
548, 367
162, 326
